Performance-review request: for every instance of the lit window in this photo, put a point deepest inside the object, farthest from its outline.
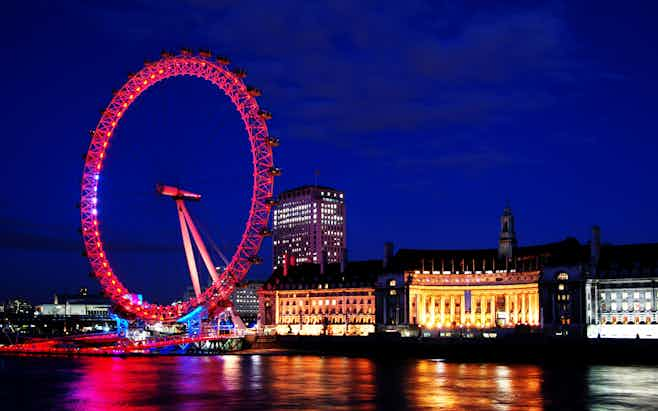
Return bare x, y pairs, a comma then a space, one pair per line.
636, 295
613, 296
563, 276
647, 295
603, 296
613, 306
624, 306
647, 306
560, 287
392, 283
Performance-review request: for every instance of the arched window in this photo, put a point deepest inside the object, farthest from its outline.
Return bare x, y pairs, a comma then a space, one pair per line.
563, 276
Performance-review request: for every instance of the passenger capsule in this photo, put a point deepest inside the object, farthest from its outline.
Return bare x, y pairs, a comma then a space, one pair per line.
223, 60
239, 73
271, 202
253, 91
254, 259
275, 171
265, 115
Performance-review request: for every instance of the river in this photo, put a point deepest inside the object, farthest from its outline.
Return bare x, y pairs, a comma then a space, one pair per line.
258, 382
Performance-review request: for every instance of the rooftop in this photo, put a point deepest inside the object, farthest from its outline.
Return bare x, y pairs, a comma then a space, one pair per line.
304, 187
308, 276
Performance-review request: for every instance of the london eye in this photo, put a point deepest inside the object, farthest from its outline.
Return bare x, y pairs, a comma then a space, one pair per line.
230, 81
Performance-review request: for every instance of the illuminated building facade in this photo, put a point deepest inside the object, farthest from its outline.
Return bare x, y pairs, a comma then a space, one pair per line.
450, 289
245, 300
306, 301
463, 289
82, 304
309, 226
622, 292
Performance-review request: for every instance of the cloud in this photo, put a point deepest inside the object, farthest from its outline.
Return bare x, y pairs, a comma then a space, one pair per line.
22, 235
348, 72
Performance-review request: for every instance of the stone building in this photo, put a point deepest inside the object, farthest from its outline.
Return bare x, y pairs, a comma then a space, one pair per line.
621, 291
455, 289
312, 299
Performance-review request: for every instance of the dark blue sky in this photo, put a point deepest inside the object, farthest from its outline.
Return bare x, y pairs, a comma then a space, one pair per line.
428, 115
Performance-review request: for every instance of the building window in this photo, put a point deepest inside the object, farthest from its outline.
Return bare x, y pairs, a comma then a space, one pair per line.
603, 296
647, 295
647, 306
636, 295
613, 306
560, 287
624, 306
392, 283
613, 296
624, 295
563, 276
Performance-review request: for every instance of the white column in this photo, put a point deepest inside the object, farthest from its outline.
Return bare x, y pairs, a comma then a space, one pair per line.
433, 310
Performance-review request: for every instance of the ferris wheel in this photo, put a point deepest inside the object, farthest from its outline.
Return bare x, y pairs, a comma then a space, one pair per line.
243, 97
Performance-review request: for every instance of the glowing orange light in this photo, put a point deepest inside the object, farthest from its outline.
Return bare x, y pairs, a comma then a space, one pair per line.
131, 96
109, 133
125, 105
145, 81
139, 88
152, 76
161, 71
119, 114
114, 123
114, 282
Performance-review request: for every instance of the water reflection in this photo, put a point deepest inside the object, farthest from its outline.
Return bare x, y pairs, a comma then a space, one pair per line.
314, 382
623, 387
474, 386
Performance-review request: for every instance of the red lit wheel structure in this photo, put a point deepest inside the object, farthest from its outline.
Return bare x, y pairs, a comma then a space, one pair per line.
254, 119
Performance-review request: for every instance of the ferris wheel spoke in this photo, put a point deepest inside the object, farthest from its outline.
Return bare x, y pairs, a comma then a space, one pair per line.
254, 118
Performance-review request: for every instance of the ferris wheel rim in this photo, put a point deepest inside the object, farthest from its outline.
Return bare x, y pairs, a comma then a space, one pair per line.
254, 120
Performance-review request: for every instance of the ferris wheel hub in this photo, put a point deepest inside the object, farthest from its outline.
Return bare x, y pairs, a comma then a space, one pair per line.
177, 193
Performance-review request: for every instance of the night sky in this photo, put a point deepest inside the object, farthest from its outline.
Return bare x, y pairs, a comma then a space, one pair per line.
429, 116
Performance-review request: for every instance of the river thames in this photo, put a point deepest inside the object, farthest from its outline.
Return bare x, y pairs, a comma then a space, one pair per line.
314, 382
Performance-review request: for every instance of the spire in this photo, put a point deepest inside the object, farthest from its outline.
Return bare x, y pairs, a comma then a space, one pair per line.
507, 237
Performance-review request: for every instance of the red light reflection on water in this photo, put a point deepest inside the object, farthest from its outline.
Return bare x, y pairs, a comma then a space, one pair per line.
115, 384
299, 382
229, 382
